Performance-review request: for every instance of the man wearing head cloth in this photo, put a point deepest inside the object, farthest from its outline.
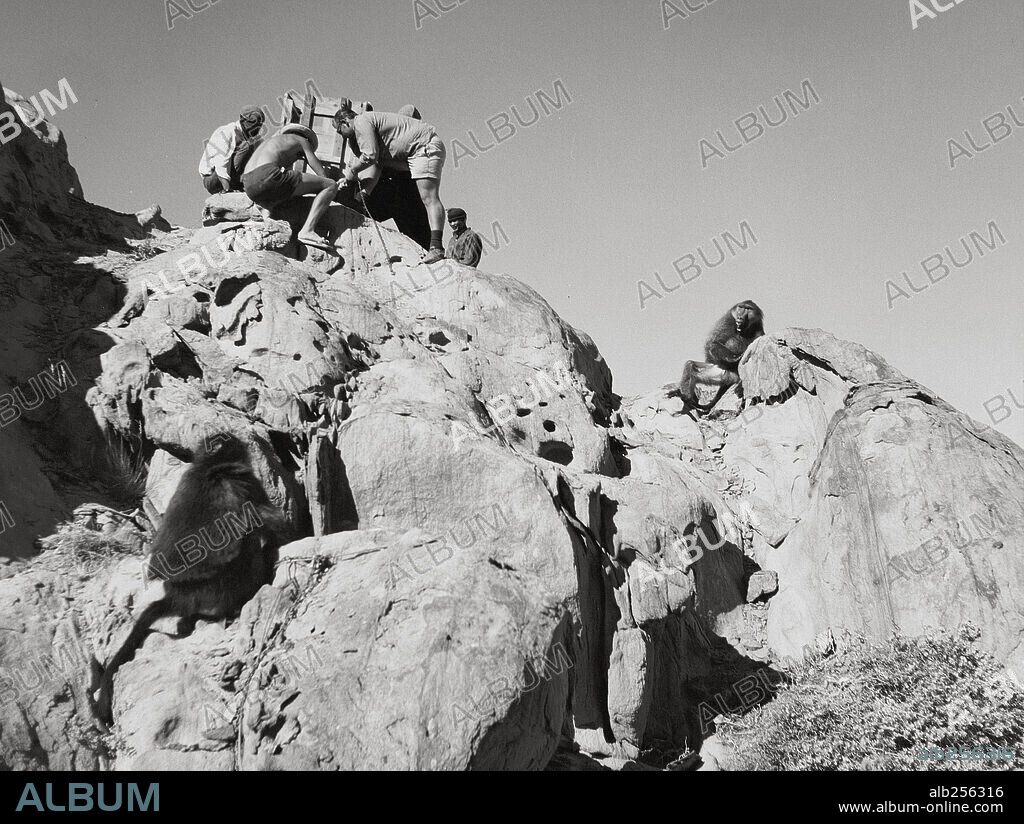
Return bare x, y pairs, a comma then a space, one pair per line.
465, 246
228, 150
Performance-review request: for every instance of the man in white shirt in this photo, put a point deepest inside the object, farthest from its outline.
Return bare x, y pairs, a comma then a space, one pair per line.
228, 150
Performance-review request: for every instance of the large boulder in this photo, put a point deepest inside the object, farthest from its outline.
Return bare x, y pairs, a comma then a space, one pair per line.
914, 519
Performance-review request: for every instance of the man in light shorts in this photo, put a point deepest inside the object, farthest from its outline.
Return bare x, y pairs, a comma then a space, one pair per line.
385, 139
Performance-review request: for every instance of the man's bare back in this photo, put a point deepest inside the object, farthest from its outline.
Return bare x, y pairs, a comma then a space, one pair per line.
269, 179
280, 150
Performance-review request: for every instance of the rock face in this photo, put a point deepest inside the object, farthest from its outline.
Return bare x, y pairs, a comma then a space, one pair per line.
58, 280
40, 194
942, 502
35, 173
496, 559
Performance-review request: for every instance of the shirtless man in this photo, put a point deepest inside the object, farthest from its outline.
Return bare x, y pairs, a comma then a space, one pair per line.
269, 179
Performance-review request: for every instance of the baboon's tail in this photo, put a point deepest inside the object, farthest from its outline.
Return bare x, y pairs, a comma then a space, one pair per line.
127, 650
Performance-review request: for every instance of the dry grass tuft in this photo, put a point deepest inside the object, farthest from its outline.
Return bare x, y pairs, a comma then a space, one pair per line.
876, 706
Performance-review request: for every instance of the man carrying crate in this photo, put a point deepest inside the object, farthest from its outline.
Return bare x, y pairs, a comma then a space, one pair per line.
384, 139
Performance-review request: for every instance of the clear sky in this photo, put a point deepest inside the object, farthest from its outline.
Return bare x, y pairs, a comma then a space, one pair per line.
602, 192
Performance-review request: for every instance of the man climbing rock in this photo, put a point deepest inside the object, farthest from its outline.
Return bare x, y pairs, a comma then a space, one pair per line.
228, 150
385, 139
465, 246
269, 179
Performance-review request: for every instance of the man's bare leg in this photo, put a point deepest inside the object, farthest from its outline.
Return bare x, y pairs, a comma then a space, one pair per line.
327, 190
430, 195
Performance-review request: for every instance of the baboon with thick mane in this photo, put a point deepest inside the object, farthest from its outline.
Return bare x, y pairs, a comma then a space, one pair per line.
215, 547
726, 343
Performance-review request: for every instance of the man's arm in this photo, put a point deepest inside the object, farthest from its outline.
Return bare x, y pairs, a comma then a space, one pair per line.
474, 250
222, 158
369, 146
311, 158
219, 149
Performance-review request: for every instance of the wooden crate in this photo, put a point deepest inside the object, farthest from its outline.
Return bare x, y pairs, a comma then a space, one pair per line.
317, 114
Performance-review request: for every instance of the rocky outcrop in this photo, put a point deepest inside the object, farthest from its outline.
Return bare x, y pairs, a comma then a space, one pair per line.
497, 560
60, 257
36, 176
878, 505
915, 518
41, 196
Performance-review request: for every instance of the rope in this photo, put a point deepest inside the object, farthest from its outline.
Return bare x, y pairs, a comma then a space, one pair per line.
376, 226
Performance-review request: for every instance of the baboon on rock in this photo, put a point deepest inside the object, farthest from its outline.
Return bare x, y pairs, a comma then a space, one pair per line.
215, 547
726, 343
